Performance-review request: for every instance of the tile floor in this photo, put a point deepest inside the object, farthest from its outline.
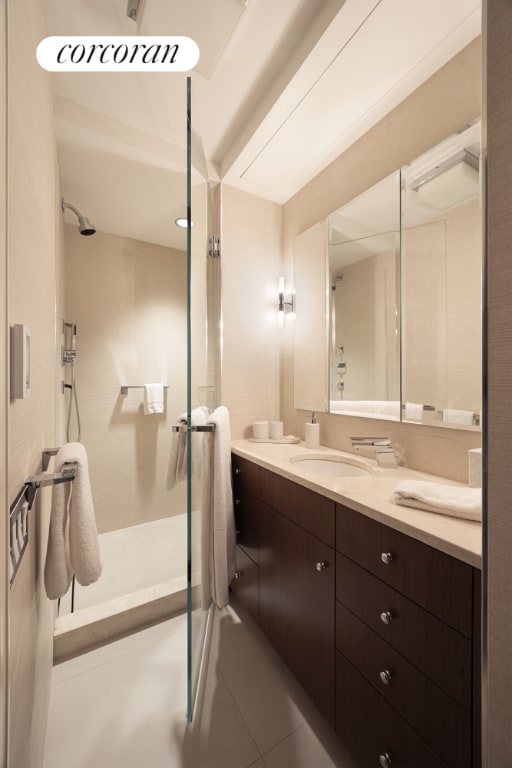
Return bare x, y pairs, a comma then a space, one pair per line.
123, 705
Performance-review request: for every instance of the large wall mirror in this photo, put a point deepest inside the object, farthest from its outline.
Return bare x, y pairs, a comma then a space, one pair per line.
389, 296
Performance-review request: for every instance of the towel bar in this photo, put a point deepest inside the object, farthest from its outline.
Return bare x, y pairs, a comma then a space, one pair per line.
193, 428
22, 504
126, 387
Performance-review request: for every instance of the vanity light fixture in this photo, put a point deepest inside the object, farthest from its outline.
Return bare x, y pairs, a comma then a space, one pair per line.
286, 302
183, 223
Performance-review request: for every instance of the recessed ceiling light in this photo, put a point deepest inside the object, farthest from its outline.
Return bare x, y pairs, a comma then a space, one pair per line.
183, 223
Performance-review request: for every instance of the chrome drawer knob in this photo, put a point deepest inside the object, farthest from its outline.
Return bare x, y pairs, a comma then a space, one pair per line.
386, 617
238, 574
386, 557
237, 502
237, 471
385, 676
321, 566
385, 760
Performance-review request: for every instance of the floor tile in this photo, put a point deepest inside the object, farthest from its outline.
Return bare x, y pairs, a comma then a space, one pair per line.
129, 711
257, 677
307, 748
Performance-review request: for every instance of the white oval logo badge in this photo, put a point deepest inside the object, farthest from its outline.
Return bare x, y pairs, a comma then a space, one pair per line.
119, 53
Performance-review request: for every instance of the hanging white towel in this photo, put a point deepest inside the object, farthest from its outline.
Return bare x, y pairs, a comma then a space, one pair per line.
455, 416
177, 464
217, 517
414, 412
153, 398
452, 500
73, 546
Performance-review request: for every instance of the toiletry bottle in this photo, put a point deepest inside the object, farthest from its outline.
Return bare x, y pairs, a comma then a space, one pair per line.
312, 433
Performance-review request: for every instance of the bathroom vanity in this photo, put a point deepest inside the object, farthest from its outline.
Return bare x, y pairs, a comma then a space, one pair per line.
375, 608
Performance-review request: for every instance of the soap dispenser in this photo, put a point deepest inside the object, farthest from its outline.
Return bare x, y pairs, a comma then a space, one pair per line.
312, 433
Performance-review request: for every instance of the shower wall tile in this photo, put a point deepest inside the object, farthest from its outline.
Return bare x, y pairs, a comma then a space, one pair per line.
128, 300
450, 99
250, 247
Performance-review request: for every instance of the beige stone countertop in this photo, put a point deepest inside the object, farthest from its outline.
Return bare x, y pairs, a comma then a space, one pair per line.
370, 494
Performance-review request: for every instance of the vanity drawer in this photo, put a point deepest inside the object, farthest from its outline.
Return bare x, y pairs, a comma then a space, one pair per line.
437, 650
246, 584
247, 476
310, 510
437, 718
434, 580
370, 728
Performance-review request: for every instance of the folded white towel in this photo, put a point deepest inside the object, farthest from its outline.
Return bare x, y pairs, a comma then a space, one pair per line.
73, 545
217, 517
414, 412
177, 464
452, 500
153, 398
454, 416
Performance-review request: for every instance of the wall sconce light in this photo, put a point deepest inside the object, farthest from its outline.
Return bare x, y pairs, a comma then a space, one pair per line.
286, 302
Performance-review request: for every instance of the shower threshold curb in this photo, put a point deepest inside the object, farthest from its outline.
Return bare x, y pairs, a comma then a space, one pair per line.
79, 632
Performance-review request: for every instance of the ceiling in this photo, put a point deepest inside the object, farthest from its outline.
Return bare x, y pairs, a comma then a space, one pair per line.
274, 102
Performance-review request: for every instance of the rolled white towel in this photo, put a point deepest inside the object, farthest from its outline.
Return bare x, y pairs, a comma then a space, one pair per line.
452, 500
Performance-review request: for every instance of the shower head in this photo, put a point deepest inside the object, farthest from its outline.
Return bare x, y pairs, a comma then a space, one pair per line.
84, 225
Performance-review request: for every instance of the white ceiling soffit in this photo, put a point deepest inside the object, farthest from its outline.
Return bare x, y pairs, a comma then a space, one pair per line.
209, 24
372, 56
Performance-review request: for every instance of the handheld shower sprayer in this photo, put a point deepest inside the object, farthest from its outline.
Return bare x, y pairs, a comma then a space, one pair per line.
84, 225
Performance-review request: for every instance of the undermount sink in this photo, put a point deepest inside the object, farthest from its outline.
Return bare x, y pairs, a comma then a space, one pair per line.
339, 466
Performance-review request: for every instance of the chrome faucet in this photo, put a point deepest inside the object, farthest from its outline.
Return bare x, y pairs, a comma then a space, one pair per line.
381, 446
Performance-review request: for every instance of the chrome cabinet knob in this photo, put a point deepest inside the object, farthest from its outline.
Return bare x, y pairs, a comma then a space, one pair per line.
385, 760
238, 574
237, 471
385, 676
386, 557
386, 617
321, 566
237, 502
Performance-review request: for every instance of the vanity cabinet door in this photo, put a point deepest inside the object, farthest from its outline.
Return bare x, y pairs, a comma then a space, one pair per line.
297, 605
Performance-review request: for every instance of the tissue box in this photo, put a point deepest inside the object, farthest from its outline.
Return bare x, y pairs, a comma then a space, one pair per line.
475, 467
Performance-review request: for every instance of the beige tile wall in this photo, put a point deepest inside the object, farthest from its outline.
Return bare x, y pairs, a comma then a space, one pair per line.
442, 105
33, 264
4, 502
442, 282
128, 300
250, 246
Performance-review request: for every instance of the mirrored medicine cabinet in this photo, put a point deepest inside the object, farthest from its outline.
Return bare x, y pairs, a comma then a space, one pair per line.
388, 296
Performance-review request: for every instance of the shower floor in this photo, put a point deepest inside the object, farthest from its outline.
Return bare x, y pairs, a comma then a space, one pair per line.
143, 579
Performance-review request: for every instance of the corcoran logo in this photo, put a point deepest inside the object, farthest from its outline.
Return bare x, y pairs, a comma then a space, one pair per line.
101, 53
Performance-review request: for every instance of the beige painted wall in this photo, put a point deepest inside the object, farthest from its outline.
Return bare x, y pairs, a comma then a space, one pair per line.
442, 105
250, 244
128, 300
34, 268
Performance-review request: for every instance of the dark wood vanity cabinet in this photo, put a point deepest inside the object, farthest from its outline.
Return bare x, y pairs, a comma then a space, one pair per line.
285, 556
380, 629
